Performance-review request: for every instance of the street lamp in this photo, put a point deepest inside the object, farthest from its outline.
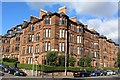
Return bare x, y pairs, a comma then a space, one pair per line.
36, 64
33, 55
43, 62
66, 55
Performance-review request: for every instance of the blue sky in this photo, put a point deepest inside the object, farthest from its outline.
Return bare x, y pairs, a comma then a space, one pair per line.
103, 16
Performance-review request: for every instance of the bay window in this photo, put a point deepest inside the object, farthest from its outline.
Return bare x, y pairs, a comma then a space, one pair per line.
47, 33
61, 46
62, 33
79, 39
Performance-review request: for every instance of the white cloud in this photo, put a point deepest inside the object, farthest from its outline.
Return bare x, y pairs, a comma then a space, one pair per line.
96, 9
39, 5
108, 28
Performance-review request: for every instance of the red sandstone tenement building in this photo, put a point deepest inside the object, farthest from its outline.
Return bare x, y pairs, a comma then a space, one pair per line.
56, 31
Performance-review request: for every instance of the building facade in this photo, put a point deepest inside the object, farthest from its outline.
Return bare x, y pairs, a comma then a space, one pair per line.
31, 40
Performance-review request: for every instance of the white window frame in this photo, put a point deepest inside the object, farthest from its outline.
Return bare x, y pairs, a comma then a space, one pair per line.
46, 33
49, 31
62, 33
49, 45
60, 47
63, 46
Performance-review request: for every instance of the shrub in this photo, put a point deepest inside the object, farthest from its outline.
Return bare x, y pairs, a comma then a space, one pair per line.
71, 61
9, 60
109, 68
51, 57
61, 59
49, 69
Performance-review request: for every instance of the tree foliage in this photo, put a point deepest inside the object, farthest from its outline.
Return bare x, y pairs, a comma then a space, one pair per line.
85, 61
81, 61
118, 58
51, 57
71, 61
88, 61
61, 60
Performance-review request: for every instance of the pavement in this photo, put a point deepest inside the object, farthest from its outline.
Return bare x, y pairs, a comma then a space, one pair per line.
12, 77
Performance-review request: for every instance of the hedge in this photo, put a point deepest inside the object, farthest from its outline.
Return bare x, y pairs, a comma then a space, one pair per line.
48, 68
109, 68
9, 64
9, 60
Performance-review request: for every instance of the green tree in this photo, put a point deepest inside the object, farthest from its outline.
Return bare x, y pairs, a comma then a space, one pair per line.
81, 61
61, 60
51, 57
71, 61
118, 58
88, 61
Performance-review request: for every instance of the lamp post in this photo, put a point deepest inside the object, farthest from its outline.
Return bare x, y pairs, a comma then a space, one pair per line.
66, 55
43, 62
33, 64
36, 65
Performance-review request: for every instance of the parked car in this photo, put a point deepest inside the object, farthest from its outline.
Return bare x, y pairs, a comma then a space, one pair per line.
17, 72
114, 73
108, 72
5, 68
81, 73
96, 73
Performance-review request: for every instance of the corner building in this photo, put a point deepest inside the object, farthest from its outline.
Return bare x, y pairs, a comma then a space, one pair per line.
57, 32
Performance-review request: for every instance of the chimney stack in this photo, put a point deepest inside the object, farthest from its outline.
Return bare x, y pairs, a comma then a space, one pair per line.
62, 9
92, 29
73, 19
42, 12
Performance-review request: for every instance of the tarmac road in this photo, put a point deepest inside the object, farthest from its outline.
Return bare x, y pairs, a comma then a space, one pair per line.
12, 77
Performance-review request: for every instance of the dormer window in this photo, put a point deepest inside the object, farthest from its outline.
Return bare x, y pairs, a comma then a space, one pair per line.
47, 20
79, 29
62, 21
19, 28
95, 37
10, 32
31, 28
72, 27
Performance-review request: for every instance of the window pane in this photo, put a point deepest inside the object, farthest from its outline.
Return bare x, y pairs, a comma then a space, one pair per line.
45, 46
46, 32
63, 47
49, 32
48, 46
59, 46
63, 33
